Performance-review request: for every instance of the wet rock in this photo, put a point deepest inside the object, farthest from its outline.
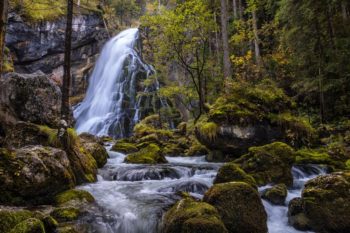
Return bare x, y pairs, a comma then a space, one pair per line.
146, 173
32, 98
31, 225
325, 204
188, 216
232, 172
34, 174
271, 163
276, 195
148, 155
186, 186
98, 151
239, 206
296, 216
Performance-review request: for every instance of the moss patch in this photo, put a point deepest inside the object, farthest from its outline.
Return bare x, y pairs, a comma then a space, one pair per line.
66, 214
72, 195
148, 155
188, 216
31, 225
124, 147
9, 218
232, 172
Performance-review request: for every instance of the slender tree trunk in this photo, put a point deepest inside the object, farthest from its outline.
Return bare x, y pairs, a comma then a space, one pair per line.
256, 38
234, 9
226, 59
240, 8
65, 108
3, 22
344, 10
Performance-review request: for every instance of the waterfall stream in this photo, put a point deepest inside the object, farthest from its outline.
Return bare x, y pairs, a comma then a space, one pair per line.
111, 106
132, 198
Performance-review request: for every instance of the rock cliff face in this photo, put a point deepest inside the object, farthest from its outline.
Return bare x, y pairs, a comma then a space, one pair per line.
40, 46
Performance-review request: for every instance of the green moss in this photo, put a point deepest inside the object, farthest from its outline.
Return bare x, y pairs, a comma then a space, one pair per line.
188, 216
65, 214
148, 155
316, 156
347, 164
276, 195
31, 225
72, 195
207, 130
10, 218
196, 148
53, 140
232, 172
269, 164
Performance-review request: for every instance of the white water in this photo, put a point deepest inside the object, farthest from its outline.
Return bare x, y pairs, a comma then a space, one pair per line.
110, 107
134, 197
278, 215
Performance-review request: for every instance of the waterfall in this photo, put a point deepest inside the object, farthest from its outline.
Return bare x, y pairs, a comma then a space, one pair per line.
111, 106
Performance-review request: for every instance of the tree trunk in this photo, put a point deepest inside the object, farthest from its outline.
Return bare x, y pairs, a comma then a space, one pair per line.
344, 10
256, 38
234, 9
65, 108
240, 7
226, 59
3, 22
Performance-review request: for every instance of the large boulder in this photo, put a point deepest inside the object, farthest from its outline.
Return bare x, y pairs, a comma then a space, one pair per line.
29, 97
34, 174
324, 205
271, 163
250, 114
190, 216
239, 206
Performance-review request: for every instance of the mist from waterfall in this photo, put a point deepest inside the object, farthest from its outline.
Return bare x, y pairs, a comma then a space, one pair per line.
111, 106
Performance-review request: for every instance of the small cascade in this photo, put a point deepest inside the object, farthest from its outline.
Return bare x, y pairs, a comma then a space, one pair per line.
278, 215
111, 106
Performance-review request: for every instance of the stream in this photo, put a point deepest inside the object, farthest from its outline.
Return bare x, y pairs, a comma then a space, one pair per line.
132, 198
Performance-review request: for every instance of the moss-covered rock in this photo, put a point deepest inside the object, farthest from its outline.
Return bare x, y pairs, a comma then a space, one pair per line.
189, 216
30, 225
252, 114
239, 206
74, 195
94, 146
148, 155
317, 156
232, 172
271, 163
34, 174
124, 147
66, 214
296, 217
276, 195
10, 218
324, 204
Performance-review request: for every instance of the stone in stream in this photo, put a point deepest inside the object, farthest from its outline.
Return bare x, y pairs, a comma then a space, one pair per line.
239, 206
324, 205
148, 155
190, 216
276, 195
232, 172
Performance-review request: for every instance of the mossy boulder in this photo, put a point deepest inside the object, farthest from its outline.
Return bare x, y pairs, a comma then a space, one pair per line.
34, 174
124, 147
271, 163
95, 147
148, 155
318, 156
239, 206
31, 225
251, 114
296, 217
276, 195
10, 218
190, 216
74, 195
66, 214
232, 172
325, 202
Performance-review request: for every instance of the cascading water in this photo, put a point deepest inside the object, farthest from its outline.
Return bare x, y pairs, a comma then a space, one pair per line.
278, 215
110, 106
